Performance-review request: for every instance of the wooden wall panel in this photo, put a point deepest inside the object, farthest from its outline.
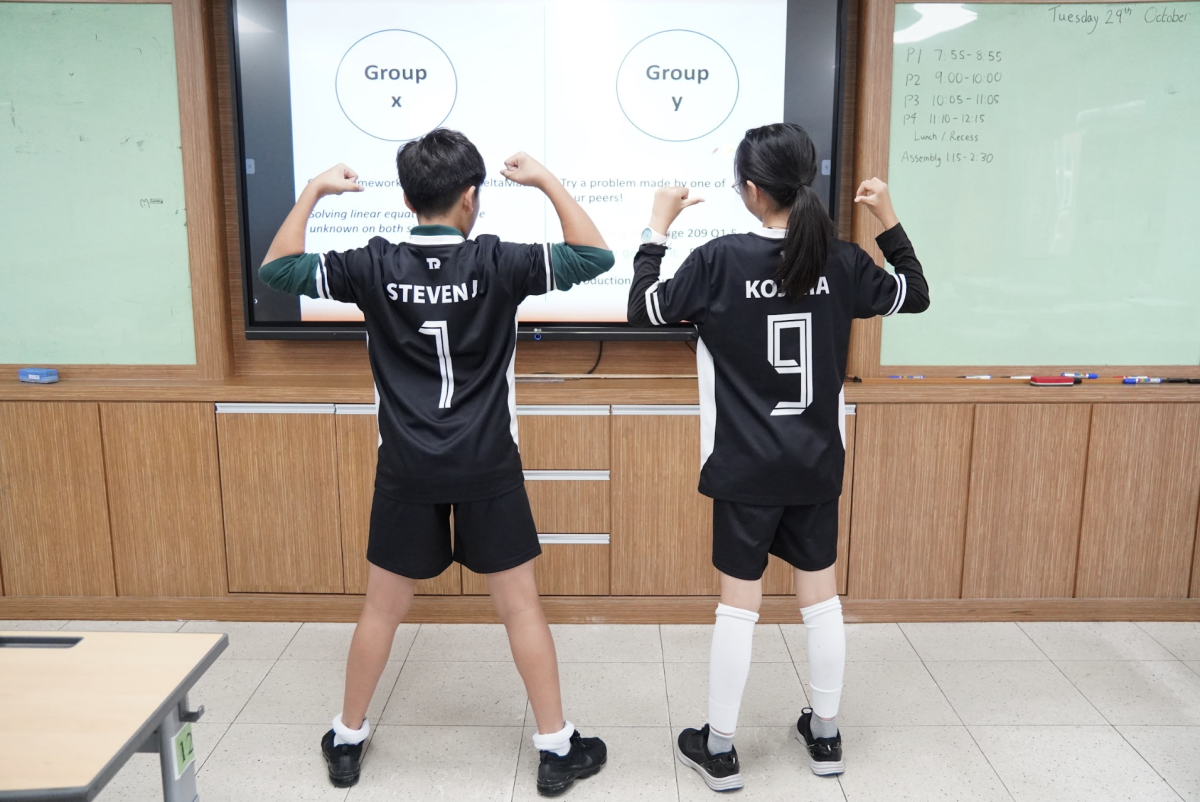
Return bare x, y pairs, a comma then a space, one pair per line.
569, 507
564, 569
661, 525
54, 533
357, 446
1139, 510
1196, 561
845, 508
1027, 468
911, 473
779, 578
564, 442
873, 103
194, 45
164, 496
279, 481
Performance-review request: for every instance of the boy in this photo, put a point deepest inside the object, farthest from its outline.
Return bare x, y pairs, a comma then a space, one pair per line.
440, 314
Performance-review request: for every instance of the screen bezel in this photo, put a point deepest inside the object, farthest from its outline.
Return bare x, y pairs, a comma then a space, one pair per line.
798, 107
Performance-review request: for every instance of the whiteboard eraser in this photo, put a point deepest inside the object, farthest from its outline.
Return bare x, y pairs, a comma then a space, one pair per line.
38, 375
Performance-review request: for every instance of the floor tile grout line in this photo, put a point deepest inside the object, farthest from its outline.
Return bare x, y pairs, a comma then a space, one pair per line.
1112, 726
403, 662
1156, 640
1138, 752
958, 715
512, 794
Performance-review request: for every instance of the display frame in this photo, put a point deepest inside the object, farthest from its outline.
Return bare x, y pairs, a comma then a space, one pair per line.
796, 94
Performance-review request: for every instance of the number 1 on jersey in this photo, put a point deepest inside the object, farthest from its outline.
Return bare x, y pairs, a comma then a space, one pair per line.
776, 326
441, 337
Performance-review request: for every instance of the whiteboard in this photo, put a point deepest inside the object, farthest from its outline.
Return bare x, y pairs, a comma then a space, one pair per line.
1045, 160
92, 219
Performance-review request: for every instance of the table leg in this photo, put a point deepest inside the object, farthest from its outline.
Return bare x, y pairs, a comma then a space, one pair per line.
183, 788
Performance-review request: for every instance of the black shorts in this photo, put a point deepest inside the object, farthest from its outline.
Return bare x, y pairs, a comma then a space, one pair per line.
805, 536
414, 540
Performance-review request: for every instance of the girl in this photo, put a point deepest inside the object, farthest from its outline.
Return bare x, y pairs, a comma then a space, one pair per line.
773, 308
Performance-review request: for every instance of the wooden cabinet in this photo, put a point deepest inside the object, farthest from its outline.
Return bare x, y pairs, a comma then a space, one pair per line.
279, 481
779, 578
1139, 509
54, 533
661, 525
911, 471
357, 450
164, 496
1027, 469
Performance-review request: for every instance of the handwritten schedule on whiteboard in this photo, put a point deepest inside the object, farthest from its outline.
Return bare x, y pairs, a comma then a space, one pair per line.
1045, 160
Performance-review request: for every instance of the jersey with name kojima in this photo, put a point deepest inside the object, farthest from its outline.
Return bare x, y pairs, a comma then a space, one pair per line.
770, 367
441, 326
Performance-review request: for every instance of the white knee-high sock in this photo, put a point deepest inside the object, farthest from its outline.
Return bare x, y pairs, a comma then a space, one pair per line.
826, 655
728, 667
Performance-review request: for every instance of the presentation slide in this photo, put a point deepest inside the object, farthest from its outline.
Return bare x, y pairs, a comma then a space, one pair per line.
616, 98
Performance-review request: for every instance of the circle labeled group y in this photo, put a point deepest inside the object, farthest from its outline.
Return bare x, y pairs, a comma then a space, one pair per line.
677, 85
396, 85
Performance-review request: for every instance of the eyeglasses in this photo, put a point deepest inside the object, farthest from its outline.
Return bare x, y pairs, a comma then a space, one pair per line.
737, 188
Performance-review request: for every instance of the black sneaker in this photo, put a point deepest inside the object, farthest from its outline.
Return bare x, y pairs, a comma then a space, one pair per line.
556, 774
825, 754
720, 772
345, 761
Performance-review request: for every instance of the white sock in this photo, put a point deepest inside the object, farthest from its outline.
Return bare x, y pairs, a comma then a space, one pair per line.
826, 656
343, 735
557, 742
728, 667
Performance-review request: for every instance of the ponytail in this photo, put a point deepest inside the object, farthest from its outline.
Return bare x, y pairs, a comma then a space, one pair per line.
806, 246
781, 160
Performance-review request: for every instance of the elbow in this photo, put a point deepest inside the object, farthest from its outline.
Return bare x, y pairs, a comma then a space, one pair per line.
604, 261
917, 304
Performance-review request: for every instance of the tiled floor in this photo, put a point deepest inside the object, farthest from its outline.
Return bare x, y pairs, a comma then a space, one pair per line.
1076, 711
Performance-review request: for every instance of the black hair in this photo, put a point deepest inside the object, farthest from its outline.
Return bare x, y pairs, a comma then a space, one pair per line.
781, 160
435, 169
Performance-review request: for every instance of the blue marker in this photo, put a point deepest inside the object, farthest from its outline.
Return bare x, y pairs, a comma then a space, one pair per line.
906, 377
1082, 375
1142, 380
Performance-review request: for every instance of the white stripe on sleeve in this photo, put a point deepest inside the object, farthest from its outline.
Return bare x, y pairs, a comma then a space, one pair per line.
658, 308
549, 271
317, 278
650, 304
325, 276
901, 294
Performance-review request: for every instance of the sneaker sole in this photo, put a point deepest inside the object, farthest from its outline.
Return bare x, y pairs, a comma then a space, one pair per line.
343, 782
821, 768
560, 790
731, 783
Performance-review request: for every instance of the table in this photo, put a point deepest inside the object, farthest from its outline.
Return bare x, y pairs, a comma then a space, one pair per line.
75, 706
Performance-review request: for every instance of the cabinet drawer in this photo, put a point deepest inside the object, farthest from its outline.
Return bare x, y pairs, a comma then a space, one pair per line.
563, 504
564, 569
563, 437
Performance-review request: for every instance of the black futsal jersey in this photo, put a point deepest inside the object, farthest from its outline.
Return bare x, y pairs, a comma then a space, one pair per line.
770, 367
441, 318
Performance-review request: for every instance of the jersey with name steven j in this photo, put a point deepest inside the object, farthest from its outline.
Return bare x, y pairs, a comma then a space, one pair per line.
770, 367
441, 319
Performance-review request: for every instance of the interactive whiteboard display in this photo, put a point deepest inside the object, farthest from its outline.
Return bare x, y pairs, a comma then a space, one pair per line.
616, 97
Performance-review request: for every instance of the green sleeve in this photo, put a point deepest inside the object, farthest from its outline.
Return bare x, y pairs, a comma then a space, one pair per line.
295, 274
574, 264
